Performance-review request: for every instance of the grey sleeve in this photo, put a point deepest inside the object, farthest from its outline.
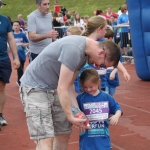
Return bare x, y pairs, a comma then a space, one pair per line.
31, 23
70, 56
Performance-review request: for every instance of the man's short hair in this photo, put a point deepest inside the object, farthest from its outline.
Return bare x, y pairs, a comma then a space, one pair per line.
112, 52
38, 2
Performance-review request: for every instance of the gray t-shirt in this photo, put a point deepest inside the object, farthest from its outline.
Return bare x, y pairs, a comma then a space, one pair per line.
41, 24
43, 72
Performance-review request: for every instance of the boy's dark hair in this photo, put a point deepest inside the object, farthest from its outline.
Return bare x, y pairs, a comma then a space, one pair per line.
17, 22
108, 21
109, 33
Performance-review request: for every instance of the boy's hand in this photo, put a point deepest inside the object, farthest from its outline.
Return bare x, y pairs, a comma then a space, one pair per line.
112, 76
23, 45
114, 119
126, 76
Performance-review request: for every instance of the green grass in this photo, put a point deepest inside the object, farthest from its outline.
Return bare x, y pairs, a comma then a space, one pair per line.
84, 7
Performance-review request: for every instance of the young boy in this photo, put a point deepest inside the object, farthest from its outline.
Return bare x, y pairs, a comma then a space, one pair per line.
21, 42
112, 75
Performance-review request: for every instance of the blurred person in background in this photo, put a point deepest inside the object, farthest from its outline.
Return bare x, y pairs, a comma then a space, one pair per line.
22, 22
5, 64
109, 13
40, 29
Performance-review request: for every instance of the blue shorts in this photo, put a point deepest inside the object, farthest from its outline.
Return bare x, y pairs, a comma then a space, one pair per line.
5, 70
110, 90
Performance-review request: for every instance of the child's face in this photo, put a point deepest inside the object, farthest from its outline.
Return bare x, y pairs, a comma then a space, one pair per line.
16, 26
85, 20
91, 87
101, 32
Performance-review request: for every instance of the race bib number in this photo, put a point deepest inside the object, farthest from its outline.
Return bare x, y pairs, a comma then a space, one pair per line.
97, 114
97, 111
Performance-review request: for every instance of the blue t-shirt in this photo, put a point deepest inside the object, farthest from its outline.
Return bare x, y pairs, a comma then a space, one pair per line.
98, 138
5, 28
123, 19
20, 39
115, 82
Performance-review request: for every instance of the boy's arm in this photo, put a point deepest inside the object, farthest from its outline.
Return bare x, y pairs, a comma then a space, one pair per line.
112, 74
115, 118
124, 71
26, 41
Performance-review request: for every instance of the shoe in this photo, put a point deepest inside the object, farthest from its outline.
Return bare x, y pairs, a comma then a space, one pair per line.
3, 122
17, 83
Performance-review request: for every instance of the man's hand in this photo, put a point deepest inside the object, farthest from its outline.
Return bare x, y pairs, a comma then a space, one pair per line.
16, 63
78, 122
53, 34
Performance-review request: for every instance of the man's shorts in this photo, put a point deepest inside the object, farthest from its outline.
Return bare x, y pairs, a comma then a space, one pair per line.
5, 70
44, 114
32, 56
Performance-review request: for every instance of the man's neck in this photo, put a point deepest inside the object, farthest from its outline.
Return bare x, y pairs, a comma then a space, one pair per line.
91, 45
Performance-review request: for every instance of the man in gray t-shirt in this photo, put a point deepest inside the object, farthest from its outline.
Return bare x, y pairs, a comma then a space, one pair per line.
51, 75
40, 29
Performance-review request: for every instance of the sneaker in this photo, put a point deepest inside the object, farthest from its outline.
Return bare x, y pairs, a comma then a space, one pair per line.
3, 122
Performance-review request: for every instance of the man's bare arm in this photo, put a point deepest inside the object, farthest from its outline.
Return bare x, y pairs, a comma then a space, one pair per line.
33, 36
72, 92
65, 80
13, 48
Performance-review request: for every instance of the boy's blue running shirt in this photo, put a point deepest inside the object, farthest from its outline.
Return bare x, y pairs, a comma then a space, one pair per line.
98, 138
20, 39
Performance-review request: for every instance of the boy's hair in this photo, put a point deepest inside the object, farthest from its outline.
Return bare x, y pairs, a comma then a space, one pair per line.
74, 30
89, 74
17, 22
94, 23
67, 23
108, 21
112, 52
109, 33
123, 7
86, 17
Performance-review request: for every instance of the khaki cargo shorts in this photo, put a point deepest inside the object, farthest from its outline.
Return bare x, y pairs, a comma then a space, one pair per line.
44, 114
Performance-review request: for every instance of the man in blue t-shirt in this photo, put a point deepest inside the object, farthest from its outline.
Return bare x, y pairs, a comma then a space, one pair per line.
5, 64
